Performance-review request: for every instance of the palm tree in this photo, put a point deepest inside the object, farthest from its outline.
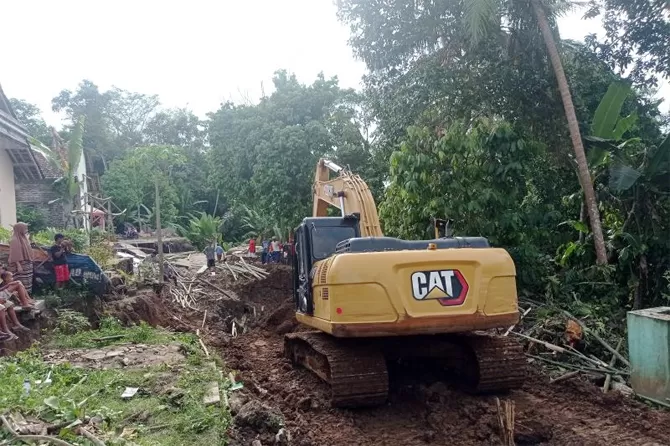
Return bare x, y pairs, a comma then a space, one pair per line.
484, 16
66, 158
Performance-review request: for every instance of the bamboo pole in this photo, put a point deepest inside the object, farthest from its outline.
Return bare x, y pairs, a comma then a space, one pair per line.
159, 235
608, 377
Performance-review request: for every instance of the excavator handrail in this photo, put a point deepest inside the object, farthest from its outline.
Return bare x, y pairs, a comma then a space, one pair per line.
347, 192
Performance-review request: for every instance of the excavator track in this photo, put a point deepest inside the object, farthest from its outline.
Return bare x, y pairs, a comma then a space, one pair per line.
356, 371
499, 365
483, 363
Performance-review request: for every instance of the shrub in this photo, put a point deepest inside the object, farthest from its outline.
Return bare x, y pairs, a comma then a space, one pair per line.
5, 235
34, 217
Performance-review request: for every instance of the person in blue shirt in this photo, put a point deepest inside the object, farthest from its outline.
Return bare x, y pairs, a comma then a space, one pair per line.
219, 253
264, 253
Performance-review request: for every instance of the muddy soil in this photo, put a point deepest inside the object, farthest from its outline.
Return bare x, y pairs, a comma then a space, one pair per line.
423, 408
118, 356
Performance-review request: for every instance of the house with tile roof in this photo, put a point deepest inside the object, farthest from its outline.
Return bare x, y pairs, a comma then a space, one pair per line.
17, 161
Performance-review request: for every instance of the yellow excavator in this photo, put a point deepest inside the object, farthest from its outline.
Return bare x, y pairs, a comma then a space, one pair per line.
373, 299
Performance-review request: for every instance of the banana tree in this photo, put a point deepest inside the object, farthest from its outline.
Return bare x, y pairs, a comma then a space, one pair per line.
201, 229
66, 157
638, 182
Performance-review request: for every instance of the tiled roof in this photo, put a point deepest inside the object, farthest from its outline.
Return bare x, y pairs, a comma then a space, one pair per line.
49, 170
14, 139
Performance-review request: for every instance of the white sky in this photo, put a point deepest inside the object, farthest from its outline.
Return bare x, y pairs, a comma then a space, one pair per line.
197, 53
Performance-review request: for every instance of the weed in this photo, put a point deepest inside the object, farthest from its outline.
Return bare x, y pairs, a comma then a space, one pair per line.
70, 322
142, 333
149, 418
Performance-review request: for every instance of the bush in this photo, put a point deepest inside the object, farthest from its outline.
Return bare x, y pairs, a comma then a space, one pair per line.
34, 217
5, 235
70, 322
79, 238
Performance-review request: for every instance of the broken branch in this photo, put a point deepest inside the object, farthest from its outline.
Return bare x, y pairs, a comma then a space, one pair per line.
28, 438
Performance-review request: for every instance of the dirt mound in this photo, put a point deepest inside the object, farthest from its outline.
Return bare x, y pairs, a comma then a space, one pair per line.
147, 306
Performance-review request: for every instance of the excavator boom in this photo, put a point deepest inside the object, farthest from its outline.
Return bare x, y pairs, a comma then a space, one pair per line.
348, 193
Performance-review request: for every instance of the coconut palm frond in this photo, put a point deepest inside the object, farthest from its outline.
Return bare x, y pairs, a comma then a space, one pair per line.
480, 16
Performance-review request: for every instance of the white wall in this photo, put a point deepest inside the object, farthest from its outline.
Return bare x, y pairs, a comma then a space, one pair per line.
7, 193
83, 187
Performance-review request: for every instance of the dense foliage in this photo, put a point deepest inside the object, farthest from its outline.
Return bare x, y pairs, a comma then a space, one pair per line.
461, 117
264, 156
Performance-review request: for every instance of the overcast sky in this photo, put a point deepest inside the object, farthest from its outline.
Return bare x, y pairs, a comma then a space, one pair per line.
196, 54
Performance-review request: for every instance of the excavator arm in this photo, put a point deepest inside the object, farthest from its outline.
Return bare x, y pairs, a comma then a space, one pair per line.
347, 192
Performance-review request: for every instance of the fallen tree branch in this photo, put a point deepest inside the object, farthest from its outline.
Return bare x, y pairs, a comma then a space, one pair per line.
608, 377
520, 319
202, 344
28, 438
506, 421
95, 440
577, 367
565, 376
219, 289
108, 338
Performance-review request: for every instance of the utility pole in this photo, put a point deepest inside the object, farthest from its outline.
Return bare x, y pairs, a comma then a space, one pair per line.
159, 238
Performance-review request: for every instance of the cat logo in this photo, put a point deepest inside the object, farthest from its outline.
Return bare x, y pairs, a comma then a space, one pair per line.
448, 287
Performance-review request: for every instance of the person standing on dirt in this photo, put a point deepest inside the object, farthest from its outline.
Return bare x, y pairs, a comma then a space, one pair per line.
59, 259
264, 253
210, 253
252, 246
276, 250
219, 253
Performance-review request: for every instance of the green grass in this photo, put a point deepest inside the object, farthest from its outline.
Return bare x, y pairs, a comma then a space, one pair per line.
137, 334
152, 417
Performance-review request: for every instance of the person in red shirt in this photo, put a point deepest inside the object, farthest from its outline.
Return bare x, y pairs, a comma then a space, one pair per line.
252, 246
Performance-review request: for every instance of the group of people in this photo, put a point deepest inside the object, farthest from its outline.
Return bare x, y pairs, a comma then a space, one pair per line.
16, 279
213, 252
272, 251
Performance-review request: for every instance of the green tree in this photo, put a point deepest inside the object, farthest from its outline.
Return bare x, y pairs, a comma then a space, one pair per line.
643, 53
265, 155
31, 117
115, 119
66, 157
130, 181
176, 127
391, 35
128, 115
89, 102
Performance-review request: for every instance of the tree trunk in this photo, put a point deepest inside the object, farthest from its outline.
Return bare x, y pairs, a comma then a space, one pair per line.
575, 135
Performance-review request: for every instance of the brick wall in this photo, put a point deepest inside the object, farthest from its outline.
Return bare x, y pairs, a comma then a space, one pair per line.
37, 195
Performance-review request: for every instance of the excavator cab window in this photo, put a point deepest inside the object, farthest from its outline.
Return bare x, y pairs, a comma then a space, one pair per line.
325, 240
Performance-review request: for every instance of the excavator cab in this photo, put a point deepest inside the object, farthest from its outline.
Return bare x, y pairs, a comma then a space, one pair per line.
317, 239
